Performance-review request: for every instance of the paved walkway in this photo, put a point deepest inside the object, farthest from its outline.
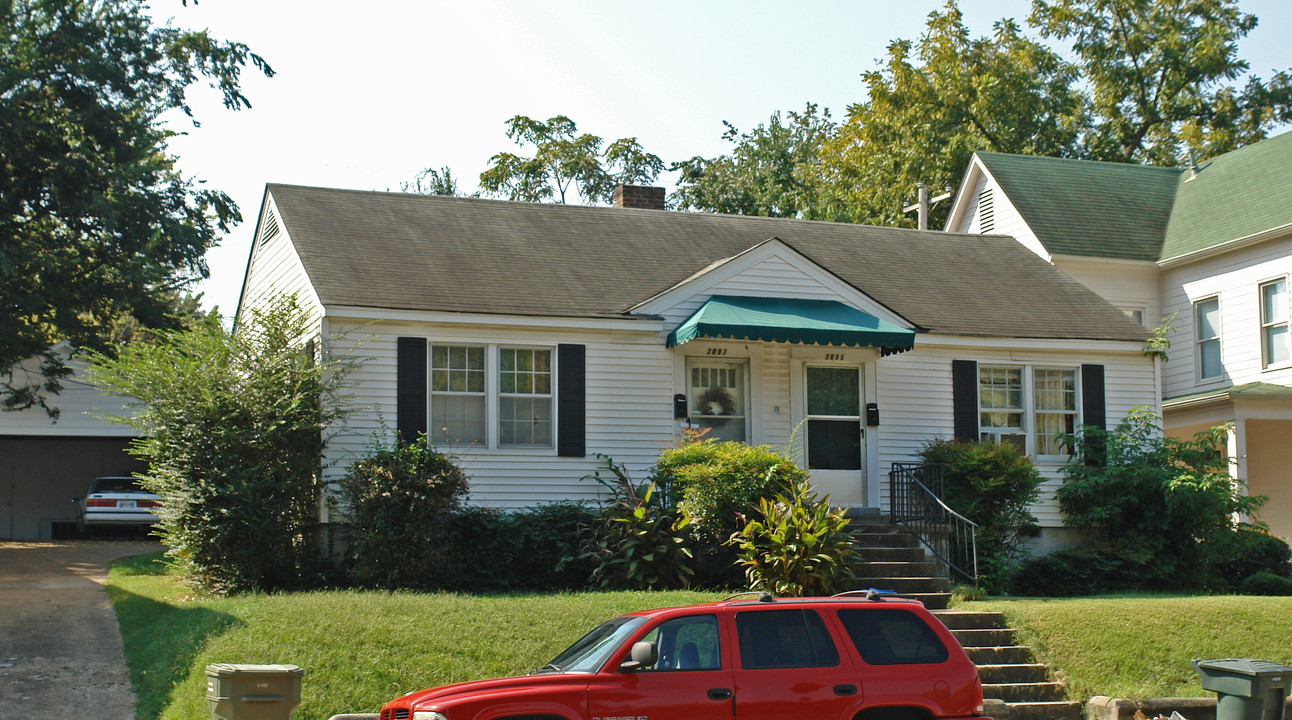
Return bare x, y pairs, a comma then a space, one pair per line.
60, 649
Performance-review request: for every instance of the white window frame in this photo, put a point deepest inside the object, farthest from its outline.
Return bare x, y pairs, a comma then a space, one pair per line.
1268, 325
1199, 341
1029, 411
997, 433
1037, 411
432, 393
494, 395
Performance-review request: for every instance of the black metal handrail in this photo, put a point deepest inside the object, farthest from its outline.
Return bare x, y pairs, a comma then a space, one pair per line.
916, 503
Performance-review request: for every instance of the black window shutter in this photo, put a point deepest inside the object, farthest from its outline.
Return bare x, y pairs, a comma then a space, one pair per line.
571, 396
1092, 396
410, 388
964, 399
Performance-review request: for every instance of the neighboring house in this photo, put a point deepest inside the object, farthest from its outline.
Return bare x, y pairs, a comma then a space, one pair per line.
529, 339
45, 462
1209, 247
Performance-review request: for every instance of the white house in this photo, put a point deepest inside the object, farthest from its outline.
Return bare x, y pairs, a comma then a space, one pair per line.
528, 338
1208, 247
46, 461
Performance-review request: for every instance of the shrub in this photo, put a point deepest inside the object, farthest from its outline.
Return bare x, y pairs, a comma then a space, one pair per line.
992, 485
800, 547
1153, 502
402, 503
1068, 573
233, 428
523, 550
1266, 583
637, 543
1233, 557
714, 484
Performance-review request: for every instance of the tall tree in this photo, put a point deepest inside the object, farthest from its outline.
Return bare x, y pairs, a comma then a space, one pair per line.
772, 170
933, 103
565, 162
1159, 73
96, 223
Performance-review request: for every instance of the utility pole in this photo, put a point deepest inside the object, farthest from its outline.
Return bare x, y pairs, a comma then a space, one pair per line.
924, 203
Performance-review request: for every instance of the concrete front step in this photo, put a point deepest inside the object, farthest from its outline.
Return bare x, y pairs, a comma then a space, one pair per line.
971, 619
905, 585
903, 539
892, 554
895, 569
1024, 692
1004, 655
1020, 673
1057, 710
992, 637
932, 601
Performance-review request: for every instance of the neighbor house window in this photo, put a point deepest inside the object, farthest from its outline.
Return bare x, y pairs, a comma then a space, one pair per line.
717, 399
1206, 315
1276, 344
458, 395
1055, 397
1000, 404
525, 397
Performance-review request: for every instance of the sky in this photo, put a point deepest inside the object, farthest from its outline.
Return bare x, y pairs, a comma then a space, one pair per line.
368, 94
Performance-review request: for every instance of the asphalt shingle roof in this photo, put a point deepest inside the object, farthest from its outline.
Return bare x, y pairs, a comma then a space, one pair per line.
417, 252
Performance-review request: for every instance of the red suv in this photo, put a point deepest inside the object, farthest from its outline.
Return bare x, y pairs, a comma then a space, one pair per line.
851, 658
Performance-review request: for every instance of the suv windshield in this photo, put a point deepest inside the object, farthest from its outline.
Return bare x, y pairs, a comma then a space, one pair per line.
591, 651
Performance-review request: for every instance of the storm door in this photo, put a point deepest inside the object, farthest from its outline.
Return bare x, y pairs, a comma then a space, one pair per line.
833, 431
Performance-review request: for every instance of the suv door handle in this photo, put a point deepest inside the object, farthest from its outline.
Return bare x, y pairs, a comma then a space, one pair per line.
719, 693
845, 690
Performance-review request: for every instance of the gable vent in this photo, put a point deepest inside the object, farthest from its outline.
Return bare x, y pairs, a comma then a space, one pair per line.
270, 230
986, 212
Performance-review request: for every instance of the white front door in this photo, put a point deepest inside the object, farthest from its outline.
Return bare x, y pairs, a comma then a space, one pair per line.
833, 435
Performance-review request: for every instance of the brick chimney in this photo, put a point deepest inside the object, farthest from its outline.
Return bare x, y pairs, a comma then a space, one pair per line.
639, 197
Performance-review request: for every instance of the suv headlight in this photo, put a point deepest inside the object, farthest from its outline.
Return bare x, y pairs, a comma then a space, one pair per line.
428, 715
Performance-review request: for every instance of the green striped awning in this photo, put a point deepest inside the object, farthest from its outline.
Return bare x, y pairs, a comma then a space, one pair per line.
790, 320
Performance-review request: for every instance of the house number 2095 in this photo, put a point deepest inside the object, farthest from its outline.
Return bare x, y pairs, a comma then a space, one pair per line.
834, 356
717, 351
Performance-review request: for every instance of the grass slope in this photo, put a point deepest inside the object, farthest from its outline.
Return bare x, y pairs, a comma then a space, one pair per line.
1140, 646
358, 649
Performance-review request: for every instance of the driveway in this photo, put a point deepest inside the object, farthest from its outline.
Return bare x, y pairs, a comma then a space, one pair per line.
60, 649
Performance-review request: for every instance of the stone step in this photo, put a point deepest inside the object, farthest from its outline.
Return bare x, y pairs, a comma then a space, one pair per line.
906, 585
1056, 710
1024, 692
971, 619
1001, 655
1023, 673
865, 540
895, 569
932, 601
892, 554
989, 638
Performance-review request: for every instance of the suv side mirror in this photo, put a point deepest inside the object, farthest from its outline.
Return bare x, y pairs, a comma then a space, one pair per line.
643, 654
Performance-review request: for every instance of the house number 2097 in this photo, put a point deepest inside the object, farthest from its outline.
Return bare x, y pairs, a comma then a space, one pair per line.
717, 351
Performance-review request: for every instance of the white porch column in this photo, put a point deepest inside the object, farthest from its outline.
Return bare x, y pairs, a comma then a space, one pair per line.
1236, 451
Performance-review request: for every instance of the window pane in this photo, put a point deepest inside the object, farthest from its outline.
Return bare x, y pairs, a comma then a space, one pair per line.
1209, 358
458, 419
1209, 319
833, 391
1278, 348
525, 421
1274, 302
687, 643
834, 444
1000, 388
1056, 390
892, 637
784, 639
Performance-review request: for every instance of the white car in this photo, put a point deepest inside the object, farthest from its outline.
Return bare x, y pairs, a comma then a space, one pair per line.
117, 502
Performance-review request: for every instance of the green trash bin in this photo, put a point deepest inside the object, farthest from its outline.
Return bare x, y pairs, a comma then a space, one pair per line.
252, 692
1247, 689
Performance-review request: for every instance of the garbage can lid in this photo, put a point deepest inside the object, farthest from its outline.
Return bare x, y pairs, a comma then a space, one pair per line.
223, 669
1243, 666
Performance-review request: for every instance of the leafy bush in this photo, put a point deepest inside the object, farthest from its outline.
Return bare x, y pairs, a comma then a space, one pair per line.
233, 427
637, 543
1266, 583
992, 485
402, 503
715, 483
801, 546
524, 550
1234, 557
1068, 573
1154, 503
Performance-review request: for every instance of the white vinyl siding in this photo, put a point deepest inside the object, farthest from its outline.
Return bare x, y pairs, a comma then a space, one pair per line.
1004, 218
81, 408
275, 269
1129, 286
1235, 278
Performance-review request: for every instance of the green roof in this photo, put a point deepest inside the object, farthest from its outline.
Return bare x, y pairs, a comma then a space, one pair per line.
1248, 391
1143, 212
1240, 193
788, 320
1082, 207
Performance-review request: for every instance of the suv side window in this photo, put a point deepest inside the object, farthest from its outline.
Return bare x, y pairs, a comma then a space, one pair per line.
892, 637
784, 639
686, 643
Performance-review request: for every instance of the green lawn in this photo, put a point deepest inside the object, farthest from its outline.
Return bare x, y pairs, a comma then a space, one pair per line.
1140, 646
360, 649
